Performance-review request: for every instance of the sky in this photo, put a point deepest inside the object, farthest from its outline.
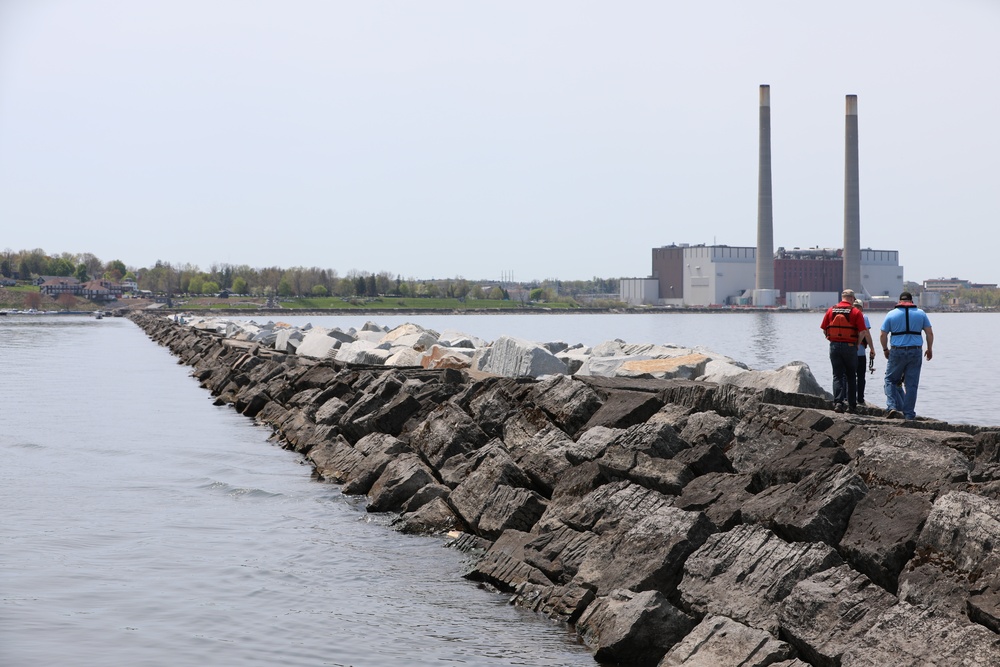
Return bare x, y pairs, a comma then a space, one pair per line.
484, 140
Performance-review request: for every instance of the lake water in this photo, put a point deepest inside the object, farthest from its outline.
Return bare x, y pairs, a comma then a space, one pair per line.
144, 526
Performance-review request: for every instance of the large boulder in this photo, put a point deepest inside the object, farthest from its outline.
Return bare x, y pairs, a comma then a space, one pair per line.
513, 357
747, 572
719, 641
317, 343
792, 378
625, 627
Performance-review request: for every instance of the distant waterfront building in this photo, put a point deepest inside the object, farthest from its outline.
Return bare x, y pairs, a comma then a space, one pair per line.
694, 275
703, 275
952, 284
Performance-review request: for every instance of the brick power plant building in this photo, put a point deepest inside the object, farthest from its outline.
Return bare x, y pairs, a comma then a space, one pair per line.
703, 275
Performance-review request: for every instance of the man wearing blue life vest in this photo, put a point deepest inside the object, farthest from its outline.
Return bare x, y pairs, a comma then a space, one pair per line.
905, 323
844, 326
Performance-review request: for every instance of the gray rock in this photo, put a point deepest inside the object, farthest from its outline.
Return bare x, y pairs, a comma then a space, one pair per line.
568, 402
820, 507
647, 554
957, 555
747, 572
433, 517
446, 432
591, 444
335, 460
720, 496
331, 411
882, 533
911, 459
402, 478
490, 491
826, 613
719, 641
404, 356
409, 335
563, 603
317, 343
513, 357
906, 635
623, 408
503, 565
632, 628
793, 378
287, 340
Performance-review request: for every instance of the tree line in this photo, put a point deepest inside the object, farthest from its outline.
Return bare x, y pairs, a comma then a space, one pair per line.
298, 281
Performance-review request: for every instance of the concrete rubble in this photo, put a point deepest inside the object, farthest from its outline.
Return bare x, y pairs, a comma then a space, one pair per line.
669, 518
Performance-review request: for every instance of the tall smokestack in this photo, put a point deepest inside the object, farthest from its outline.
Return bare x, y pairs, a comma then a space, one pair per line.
852, 205
765, 232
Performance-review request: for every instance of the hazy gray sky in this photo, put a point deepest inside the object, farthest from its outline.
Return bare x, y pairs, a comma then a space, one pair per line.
540, 139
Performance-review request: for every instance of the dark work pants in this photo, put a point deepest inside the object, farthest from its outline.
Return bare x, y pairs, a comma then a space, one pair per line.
844, 361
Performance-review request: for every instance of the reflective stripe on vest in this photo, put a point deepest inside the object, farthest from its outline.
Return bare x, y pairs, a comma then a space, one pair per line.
840, 329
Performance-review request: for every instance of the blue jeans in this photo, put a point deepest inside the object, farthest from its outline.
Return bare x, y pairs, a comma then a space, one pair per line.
903, 371
844, 360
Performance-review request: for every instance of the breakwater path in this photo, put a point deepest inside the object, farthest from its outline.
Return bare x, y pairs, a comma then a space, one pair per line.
670, 522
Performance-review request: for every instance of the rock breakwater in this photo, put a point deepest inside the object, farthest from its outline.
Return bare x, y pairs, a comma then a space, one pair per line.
670, 521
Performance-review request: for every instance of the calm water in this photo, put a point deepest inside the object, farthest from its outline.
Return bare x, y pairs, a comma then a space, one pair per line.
144, 526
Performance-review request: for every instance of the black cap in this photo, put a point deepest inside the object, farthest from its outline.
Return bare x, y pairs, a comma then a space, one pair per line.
906, 296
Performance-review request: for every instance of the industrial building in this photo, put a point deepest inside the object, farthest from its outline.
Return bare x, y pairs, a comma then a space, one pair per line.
716, 275
700, 275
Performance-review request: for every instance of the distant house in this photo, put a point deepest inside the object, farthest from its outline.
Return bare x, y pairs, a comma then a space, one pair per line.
100, 290
55, 285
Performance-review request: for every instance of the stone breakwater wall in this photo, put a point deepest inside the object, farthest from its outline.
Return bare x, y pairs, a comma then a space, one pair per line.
670, 522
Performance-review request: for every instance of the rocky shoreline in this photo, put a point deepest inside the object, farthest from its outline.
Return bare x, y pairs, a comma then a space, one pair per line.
670, 520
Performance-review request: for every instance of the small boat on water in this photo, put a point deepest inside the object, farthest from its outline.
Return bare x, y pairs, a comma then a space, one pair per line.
99, 315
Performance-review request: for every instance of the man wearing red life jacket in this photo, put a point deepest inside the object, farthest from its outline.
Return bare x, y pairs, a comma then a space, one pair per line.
844, 326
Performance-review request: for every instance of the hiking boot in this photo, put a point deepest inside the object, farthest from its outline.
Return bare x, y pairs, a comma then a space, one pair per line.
853, 409
894, 414
839, 407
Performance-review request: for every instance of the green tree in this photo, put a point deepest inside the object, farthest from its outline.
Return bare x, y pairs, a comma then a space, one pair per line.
210, 287
239, 285
116, 265
285, 288
196, 285
81, 273
536, 294
320, 290
61, 267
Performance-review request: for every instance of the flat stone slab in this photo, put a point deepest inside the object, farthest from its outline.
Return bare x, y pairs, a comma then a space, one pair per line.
825, 614
719, 641
746, 572
906, 635
912, 459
